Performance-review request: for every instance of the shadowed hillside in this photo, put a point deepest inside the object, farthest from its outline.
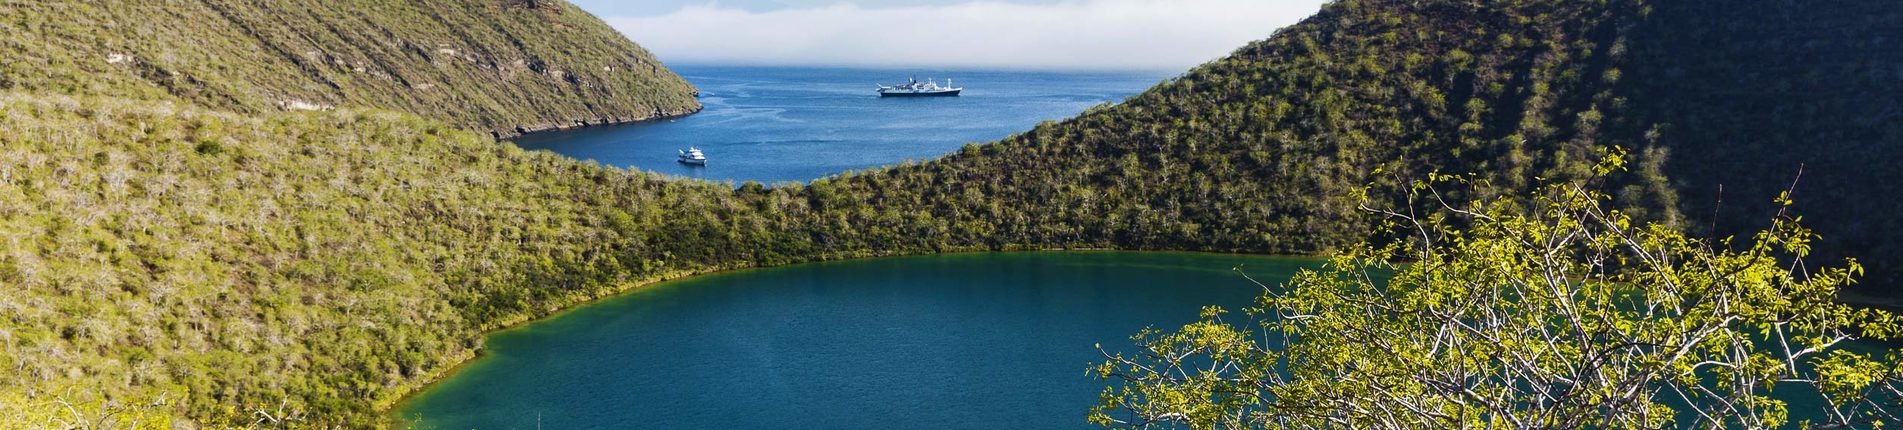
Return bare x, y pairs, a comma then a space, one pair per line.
1746, 93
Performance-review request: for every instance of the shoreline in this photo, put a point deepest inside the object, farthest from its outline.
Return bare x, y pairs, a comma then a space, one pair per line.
388, 405
580, 123
403, 393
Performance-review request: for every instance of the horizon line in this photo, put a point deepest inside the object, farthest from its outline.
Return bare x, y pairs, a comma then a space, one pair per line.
1163, 70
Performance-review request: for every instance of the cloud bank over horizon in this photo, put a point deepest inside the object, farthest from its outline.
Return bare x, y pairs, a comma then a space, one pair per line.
1073, 34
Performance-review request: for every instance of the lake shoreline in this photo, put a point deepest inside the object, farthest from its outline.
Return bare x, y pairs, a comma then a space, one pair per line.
404, 393
408, 392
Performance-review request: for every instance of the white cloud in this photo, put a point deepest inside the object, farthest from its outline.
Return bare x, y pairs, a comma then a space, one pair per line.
1073, 34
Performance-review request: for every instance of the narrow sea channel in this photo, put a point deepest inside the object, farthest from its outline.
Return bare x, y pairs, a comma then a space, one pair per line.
780, 124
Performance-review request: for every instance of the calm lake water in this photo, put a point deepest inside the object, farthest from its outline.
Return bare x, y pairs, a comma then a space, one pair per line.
777, 124
950, 341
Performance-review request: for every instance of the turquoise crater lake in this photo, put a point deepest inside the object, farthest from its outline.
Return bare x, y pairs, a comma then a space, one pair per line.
992, 340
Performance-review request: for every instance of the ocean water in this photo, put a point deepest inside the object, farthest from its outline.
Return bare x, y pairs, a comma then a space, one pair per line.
961, 341
779, 124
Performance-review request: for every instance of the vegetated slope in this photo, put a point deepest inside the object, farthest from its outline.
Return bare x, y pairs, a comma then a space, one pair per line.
1266, 150
323, 263
493, 65
170, 261
312, 263
1747, 92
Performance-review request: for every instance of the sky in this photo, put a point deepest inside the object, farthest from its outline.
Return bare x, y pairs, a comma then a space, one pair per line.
1006, 34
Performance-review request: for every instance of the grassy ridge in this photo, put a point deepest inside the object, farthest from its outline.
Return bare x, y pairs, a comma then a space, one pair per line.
495, 65
324, 258
328, 261
1267, 149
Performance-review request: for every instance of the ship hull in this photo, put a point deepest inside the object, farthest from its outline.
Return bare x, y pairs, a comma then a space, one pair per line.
952, 93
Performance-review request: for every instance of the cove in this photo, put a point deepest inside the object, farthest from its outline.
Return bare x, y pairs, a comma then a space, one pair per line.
795, 124
987, 340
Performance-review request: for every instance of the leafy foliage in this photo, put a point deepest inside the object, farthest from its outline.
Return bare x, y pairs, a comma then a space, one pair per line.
1572, 316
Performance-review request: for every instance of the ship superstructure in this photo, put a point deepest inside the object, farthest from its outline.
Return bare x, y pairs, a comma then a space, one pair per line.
914, 88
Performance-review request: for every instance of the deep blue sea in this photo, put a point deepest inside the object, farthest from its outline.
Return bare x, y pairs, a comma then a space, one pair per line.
779, 124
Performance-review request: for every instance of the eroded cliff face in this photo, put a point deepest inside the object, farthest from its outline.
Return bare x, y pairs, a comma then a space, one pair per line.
499, 66
595, 121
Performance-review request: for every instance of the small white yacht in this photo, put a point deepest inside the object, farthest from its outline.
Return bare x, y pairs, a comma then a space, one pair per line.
693, 156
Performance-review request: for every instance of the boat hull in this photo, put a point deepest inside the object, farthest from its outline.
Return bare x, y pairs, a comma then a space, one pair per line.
693, 162
952, 93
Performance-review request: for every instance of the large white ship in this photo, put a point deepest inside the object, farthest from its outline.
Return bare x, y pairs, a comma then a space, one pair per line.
929, 88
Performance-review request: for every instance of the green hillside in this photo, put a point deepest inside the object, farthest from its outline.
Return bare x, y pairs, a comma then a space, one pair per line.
493, 65
1266, 150
328, 261
176, 241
